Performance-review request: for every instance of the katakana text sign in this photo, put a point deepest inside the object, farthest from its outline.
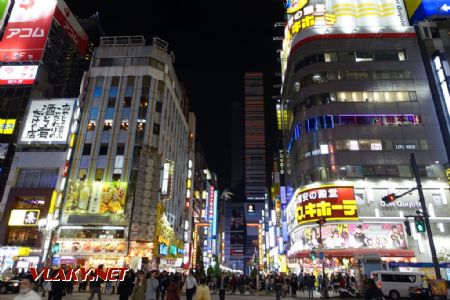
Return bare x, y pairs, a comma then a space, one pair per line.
331, 202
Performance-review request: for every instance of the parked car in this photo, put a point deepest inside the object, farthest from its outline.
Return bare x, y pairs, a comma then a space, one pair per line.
396, 285
9, 286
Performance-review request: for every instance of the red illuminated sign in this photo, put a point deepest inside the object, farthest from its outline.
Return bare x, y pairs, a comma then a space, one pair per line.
27, 31
330, 202
211, 204
67, 21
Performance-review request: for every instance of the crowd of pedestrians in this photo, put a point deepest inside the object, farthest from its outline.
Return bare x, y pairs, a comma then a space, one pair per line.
141, 285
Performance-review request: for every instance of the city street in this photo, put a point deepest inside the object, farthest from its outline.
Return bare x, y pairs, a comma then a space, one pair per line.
85, 296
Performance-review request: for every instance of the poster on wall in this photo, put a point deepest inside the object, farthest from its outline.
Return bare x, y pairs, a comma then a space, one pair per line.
351, 236
48, 121
95, 198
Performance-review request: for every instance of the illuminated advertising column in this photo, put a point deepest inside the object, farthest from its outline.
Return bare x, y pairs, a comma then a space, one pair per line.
210, 215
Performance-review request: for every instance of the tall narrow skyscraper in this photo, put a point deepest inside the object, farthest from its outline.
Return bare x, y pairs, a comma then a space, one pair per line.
254, 166
255, 147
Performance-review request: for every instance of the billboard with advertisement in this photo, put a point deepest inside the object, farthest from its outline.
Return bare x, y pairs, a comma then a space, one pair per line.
92, 246
351, 236
308, 18
7, 126
95, 198
27, 30
70, 24
419, 10
18, 75
48, 121
331, 202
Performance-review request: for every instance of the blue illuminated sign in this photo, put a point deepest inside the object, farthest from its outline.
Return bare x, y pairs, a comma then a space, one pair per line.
419, 10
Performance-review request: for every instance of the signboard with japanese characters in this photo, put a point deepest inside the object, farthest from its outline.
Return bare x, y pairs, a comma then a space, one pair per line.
48, 121
329, 201
7, 126
24, 217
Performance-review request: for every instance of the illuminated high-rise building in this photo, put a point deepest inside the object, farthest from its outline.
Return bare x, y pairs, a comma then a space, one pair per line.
255, 143
355, 84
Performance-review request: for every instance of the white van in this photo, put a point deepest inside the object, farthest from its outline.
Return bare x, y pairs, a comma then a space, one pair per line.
396, 285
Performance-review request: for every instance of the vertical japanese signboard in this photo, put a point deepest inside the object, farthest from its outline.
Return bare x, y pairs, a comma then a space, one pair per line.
27, 31
48, 121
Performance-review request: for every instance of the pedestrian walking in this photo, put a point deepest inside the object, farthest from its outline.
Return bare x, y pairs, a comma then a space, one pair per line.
203, 292
310, 286
191, 285
173, 290
139, 288
95, 286
26, 291
152, 286
373, 292
126, 286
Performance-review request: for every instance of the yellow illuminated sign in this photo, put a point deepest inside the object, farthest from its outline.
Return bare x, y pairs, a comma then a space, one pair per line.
7, 126
24, 251
294, 6
329, 201
448, 174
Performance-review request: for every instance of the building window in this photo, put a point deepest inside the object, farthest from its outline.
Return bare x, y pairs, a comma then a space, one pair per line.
113, 91
87, 149
91, 125
127, 102
124, 125
140, 126
98, 89
82, 174
156, 128
158, 107
37, 178
120, 149
103, 149
99, 174
108, 125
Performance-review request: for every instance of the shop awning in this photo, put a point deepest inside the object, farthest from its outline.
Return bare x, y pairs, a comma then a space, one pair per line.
355, 252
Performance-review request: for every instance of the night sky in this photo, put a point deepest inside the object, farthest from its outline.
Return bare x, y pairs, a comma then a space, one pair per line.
214, 43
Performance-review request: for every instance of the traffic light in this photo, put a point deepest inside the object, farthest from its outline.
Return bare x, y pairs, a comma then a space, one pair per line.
55, 248
389, 198
407, 227
313, 255
420, 224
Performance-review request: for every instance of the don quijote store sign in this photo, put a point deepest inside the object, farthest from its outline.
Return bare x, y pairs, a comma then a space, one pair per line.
332, 202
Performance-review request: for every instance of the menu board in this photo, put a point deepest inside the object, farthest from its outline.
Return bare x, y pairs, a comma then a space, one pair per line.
103, 198
92, 246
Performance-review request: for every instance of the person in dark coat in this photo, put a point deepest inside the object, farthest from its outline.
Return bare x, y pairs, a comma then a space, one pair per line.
173, 291
373, 292
58, 288
126, 286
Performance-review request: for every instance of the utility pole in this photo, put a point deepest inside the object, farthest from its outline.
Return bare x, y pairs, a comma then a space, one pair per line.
426, 217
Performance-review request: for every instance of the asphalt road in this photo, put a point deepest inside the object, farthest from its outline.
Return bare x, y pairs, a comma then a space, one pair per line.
85, 296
